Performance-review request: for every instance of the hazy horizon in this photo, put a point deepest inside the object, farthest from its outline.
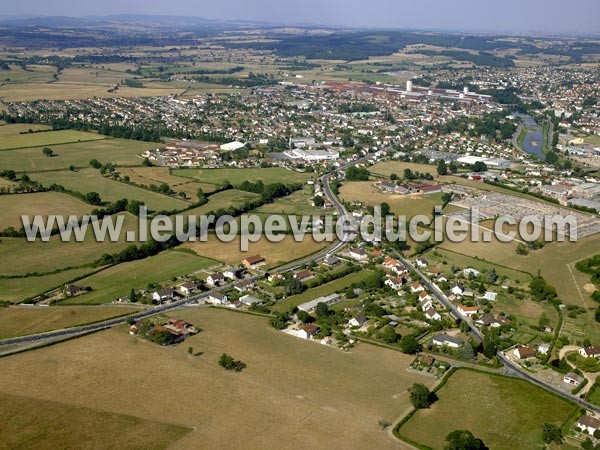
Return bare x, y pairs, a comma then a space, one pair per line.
549, 16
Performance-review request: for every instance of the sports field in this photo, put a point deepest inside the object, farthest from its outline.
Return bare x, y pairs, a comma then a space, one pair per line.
42, 203
79, 154
45, 138
90, 180
117, 281
235, 176
293, 392
31, 320
505, 413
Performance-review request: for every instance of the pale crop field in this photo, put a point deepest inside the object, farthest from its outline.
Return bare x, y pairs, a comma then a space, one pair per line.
292, 392
79, 154
39, 203
31, 320
46, 138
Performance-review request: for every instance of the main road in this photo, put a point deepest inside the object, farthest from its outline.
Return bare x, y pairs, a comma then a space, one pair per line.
98, 326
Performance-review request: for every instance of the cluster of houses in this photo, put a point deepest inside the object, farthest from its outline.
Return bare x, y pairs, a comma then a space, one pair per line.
391, 187
177, 330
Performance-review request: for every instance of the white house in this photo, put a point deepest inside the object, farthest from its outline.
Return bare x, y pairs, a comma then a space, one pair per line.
163, 295
421, 263
468, 311
451, 341
588, 423
215, 279
589, 352
457, 289
573, 378
358, 254
308, 331
216, 298
416, 287
358, 320
248, 300
470, 271
432, 314
188, 288
395, 283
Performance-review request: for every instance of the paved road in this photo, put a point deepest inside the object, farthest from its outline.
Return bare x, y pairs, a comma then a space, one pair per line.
70, 332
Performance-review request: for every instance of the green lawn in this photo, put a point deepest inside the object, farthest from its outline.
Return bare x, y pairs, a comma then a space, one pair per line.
18, 289
27, 257
505, 413
46, 138
117, 151
118, 280
324, 289
90, 180
235, 176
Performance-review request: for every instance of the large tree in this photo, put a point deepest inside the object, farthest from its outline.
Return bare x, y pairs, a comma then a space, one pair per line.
463, 440
421, 396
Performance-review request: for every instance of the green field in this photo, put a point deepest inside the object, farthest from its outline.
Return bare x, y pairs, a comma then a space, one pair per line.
222, 200
34, 423
46, 138
79, 154
90, 180
43, 203
27, 257
31, 320
14, 129
118, 280
18, 289
324, 289
235, 176
505, 413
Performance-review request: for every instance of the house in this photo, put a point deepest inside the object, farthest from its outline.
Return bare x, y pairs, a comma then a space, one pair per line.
488, 320
457, 289
71, 289
491, 296
181, 326
589, 352
523, 352
163, 295
432, 314
424, 296
416, 287
358, 254
450, 341
244, 285
573, 378
588, 423
216, 298
233, 273
358, 320
426, 303
328, 300
249, 300
327, 341
543, 349
253, 262
308, 331
395, 283
304, 275
468, 311
188, 288
215, 279
331, 260
421, 263
470, 271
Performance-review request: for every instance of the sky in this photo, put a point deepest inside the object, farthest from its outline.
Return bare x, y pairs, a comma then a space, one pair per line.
547, 16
